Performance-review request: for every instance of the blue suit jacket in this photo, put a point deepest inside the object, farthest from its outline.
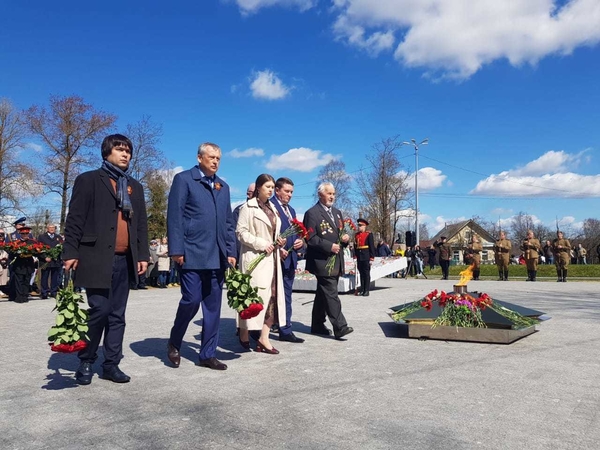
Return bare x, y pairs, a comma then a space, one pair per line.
292, 260
199, 221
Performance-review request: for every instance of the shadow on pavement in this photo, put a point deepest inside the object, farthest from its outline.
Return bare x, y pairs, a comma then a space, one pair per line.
58, 362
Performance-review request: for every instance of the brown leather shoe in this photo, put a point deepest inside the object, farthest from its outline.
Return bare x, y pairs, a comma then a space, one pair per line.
212, 363
173, 355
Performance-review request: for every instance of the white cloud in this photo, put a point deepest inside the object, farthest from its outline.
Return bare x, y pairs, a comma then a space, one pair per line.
268, 86
456, 38
235, 153
356, 35
429, 179
301, 159
546, 176
440, 222
33, 146
252, 6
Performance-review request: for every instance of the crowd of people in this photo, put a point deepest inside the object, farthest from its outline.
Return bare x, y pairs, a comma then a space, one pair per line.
105, 250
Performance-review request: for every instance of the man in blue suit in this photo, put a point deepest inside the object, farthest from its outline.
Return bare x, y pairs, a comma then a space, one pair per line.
284, 189
201, 237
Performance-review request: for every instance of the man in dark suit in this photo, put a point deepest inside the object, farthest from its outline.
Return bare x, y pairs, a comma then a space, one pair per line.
50, 267
202, 241
106, 243
325, 242
284, 189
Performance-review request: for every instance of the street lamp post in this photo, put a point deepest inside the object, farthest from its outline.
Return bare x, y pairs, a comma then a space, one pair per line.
413, 142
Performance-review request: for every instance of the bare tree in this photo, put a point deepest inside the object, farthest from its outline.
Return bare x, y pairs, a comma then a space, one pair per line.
335, 172
16, 176
523, 222
382, 188
157, 205
591, 238
69, 129
147, 157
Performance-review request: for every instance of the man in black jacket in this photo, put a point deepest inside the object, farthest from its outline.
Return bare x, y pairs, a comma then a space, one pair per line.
106, 242
326, 241
50, 267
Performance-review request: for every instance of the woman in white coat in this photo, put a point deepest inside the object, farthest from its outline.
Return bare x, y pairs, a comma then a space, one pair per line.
257, 229
162, 252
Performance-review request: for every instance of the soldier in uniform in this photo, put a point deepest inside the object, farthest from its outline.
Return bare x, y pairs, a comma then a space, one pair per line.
532, 247
16, 235
445, 254
22, 269
364, 248
562, 252
502, 249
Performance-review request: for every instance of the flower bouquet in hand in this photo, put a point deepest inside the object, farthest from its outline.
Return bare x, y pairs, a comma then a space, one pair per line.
24, 249
69, 333
346, 227
241, 296
53, 253
296, 228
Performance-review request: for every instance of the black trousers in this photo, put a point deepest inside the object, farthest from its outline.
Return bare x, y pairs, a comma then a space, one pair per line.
18, 286
327, 304
107, 315
364, 269
52, 273
445, 264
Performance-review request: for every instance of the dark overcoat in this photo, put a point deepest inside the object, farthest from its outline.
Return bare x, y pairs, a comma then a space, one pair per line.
91, 228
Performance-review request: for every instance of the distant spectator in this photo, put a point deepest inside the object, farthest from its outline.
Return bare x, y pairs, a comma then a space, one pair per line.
162, 252
431, 253
547, 251
383, 249
581, 255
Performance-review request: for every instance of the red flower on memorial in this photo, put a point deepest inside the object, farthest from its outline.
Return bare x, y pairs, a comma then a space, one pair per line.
427, 304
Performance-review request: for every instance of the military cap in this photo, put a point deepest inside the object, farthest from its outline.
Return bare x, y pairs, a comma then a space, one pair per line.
361, 220
18, 221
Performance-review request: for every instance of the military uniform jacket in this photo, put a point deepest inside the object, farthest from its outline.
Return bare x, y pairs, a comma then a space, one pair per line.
531, 247
502, 246
445, 251
91, 228
364, 246
565, 247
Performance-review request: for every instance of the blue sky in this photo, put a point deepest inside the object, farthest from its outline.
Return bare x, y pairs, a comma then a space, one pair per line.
508, 95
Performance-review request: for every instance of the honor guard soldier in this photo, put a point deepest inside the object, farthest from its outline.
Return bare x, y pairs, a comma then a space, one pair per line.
364, 251
562, 251
22, 269
502, 249
16, 235
531, 246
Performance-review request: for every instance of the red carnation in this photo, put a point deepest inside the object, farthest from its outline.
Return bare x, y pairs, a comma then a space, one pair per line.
251, 311
427, 304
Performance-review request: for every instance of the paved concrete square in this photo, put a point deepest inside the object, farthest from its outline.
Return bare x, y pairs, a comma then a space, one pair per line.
376, 390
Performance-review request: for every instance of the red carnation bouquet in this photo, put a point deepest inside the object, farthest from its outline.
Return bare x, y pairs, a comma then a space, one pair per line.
345, 227
68, 335
24, 249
